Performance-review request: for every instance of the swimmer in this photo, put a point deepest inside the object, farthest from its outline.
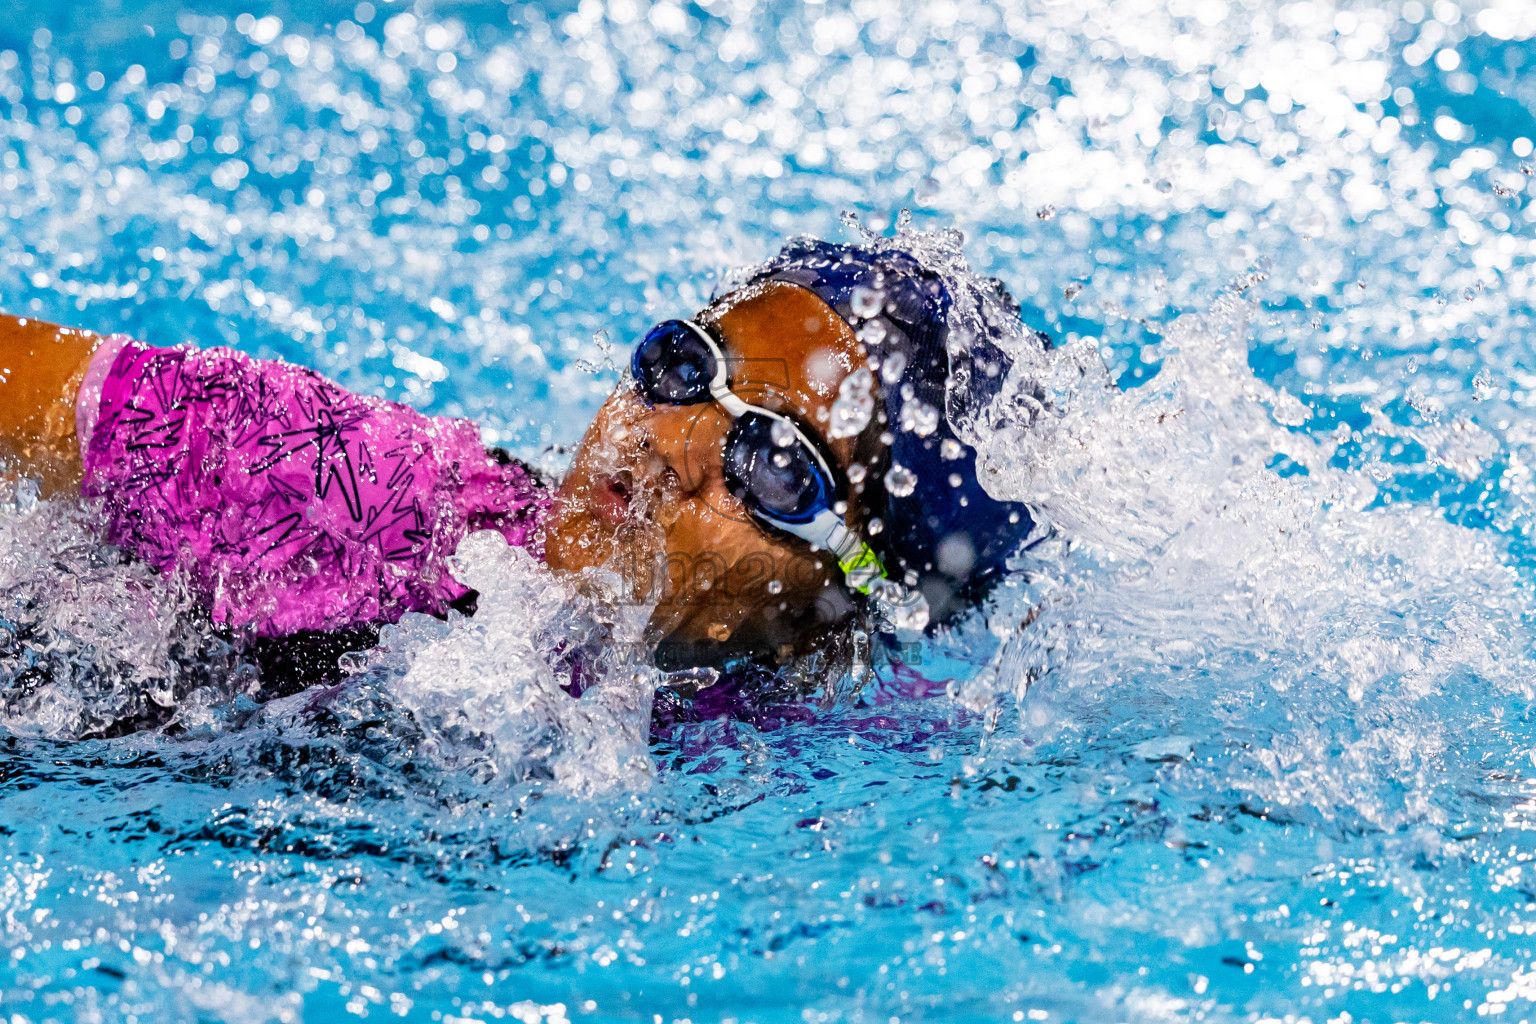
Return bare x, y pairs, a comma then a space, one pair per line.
771, 467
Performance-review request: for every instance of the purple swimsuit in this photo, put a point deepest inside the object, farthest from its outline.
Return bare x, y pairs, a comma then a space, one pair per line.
287, 501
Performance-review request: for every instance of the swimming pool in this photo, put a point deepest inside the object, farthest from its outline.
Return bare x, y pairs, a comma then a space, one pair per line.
1266, 751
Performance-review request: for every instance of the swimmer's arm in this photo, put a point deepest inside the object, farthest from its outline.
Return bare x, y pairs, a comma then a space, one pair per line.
41, 366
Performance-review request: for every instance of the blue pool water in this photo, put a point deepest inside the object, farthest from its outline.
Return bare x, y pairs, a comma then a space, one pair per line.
1248, 739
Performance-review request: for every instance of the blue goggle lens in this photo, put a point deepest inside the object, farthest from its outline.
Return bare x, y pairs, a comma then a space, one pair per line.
777, 481
673, 365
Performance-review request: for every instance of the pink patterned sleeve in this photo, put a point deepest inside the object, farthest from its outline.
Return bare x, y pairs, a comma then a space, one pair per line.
287, 501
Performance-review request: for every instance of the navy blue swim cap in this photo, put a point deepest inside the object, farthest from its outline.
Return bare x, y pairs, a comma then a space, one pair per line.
946, 534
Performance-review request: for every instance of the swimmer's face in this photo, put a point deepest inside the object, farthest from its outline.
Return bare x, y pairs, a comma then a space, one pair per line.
646, 497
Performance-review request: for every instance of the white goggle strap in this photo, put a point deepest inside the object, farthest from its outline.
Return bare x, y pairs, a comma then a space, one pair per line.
720, 384
861, 566
729, 401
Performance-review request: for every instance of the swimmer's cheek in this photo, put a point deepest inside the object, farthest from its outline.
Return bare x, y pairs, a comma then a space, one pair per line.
728, 581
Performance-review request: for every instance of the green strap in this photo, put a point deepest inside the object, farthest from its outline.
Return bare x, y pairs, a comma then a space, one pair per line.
862, 568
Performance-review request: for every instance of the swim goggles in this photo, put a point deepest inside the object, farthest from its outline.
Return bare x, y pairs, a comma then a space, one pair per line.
770, 464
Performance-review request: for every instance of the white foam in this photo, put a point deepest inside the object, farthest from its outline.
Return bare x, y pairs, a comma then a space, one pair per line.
1332, 635
492, 691
87, 638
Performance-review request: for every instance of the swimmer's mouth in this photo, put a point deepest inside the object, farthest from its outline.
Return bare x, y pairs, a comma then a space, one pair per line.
627, 498
611, 495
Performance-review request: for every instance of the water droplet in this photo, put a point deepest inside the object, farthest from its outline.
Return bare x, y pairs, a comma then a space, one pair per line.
775, 587
1528, 169
872, 333
781, 459
874, 526
1046, 212
1501, 189
719, 632
904, 607
782, 432
955, 555
1164, 186
866, 302
951, 449
918, 417
955, 480
856, 473
854, 405
1482, 385
900, 481
894, 366
1073, 290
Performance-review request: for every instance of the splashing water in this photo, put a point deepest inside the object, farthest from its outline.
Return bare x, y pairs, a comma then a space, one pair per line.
1244, 736
904, 609
900, 480
866, 302
918, 417
497, 688
1247, 600
69, 669
854, 406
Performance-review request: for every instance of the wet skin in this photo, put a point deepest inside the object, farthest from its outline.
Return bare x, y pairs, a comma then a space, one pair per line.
41, 366
646, 495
